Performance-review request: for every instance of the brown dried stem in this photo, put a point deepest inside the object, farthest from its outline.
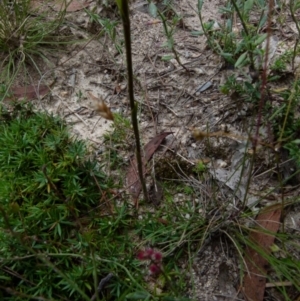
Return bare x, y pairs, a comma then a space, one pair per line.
124, 11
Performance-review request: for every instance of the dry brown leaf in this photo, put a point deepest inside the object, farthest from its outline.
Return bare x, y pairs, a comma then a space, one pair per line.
255, 281
132, 176
101, 107
200, 135
29, 92
117, 89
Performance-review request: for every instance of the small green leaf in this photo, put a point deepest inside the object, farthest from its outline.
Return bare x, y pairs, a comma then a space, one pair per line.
197, 33
260, 39
274, 248
248, 5
296, 5
152, 10
262, 22
167, 57
226, 55
137, 295
297, 141
240, 60
119, 3
239, 47
170, 43
59, 229
229, 25
200, 4
167, 298
88, 286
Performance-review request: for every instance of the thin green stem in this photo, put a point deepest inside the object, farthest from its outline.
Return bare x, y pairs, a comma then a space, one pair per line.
246, 32
199, 6
169, 37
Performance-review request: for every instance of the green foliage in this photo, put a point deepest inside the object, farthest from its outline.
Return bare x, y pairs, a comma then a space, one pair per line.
54, 236
200, 167
108, 27
282, 61
293, 148
181, 188
237, 49
285, 59
282, 259
170, 20
244, 90
122, 129
25, 35
286, 123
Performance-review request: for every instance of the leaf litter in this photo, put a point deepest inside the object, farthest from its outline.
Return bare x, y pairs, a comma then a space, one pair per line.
263, 237
132, 177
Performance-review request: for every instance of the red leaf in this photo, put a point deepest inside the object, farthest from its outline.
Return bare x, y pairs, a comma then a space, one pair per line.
133, 182
255, 281
28, 92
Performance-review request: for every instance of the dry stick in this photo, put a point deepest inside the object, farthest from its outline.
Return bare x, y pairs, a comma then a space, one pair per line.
262, 91
103, 195
124, 11
149, 107
101, 285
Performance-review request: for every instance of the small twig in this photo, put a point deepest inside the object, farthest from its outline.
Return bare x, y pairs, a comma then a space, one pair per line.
78, 116
279, 283
175, 153
149, 107
93, 129
17, 275
238, 250
273, 168
101, 285
166, 106
103, 195
73, 79
79, 110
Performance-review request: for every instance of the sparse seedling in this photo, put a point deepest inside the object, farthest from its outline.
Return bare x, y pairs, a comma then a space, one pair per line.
200, 167
121, 133
79, 96
238, 49
108, 26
